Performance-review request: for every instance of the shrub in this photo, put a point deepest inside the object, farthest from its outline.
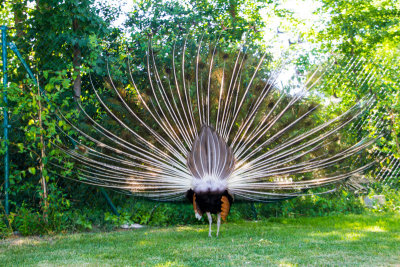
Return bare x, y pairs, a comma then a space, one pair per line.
392, 198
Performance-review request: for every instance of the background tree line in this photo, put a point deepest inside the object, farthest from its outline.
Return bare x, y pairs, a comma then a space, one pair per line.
64, 41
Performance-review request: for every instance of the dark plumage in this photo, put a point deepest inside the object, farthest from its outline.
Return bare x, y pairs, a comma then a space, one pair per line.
211, 203
211, 162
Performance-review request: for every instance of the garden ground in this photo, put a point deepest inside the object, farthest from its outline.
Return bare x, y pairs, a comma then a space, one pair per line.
347, 240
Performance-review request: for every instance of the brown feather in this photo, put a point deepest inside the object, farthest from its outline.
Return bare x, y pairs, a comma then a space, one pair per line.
225, 207
195, 208
194, 202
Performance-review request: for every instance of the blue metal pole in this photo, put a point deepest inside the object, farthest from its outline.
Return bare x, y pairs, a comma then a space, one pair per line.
5, 121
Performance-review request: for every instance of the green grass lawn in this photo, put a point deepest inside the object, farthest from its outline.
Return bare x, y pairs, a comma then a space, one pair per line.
349, 240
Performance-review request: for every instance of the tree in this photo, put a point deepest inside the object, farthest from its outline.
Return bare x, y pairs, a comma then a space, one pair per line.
360, 26
370, 30
172, 18
59, 38
63, 30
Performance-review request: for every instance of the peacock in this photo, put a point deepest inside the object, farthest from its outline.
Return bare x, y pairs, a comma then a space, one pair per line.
213, 126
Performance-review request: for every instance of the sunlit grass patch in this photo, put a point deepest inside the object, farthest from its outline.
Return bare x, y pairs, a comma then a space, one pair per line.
351, 240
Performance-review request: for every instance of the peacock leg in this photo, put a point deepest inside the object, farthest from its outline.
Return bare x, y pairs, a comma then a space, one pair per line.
218, 222
210, 221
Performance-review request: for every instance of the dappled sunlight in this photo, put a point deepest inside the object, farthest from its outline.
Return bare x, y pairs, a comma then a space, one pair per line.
310, 241
23, 241
168, 263
352, 236
356, 232
265, 242
374, 229
191, 229
325, 234
185, 228
286, 264
158, 230
377, 226
144, 243
346, 236
365, 227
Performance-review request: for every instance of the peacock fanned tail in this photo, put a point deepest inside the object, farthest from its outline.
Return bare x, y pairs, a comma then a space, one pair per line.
211, 122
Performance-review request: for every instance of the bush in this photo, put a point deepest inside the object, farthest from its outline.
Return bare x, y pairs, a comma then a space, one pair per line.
342, 202
392, 198
63, 216
5, 225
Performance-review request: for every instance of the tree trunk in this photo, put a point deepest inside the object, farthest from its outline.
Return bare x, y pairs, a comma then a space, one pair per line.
233, 9
19, 12
41, 165
77, 63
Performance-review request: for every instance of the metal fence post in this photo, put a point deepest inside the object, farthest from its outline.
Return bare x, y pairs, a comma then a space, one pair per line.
5, 120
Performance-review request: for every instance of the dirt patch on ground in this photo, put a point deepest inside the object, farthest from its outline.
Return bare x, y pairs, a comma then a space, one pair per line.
18, 240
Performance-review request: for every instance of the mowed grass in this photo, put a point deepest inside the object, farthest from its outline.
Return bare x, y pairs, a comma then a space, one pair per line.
351, 240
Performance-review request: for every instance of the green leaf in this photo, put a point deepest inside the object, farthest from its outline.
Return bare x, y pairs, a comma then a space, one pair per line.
65, 83
21, 147
32, 170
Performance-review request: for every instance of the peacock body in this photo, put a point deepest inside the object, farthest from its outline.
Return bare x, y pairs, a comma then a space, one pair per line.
217, 130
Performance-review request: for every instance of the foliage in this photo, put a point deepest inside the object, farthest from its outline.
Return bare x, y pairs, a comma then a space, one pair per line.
48, 35
392, 199
369, 30
342, 202
52, 28
62, 218
172, 18
52, 35
360, 26
6, 222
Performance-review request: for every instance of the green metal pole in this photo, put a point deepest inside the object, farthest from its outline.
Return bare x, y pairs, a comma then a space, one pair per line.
5, 121
254, 211
14, 48
109, 202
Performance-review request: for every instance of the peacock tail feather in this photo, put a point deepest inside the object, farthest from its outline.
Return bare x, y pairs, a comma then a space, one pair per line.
209, 120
